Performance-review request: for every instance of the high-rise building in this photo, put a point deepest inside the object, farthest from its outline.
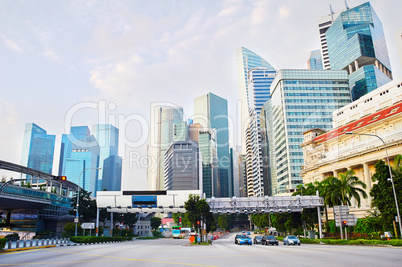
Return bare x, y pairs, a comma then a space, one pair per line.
79, 158
211, 111
37, 149
165, 121
356, 43
108, 139
234, 170
208, 150
315, 60
323, 25
259, 82
182, 170
246, 60
300, 100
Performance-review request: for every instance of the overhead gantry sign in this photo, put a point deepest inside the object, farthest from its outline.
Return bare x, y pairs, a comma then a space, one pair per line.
277, 204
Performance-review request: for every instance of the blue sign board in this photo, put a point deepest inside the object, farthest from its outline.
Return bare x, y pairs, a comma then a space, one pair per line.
145, 201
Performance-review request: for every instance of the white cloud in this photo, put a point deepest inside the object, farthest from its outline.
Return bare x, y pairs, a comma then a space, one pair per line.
11, 44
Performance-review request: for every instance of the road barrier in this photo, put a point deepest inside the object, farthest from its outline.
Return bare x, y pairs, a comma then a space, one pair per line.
36, 242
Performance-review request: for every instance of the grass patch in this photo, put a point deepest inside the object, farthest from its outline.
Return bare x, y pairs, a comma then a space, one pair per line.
201, 244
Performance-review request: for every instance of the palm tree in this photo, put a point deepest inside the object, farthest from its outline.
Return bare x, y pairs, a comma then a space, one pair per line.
345, 187
397, 168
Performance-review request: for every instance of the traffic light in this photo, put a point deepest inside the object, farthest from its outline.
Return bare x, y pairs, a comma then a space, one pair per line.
198, 222
60, 178
344, 223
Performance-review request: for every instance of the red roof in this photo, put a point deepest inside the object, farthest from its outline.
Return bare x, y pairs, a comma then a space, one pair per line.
385, 113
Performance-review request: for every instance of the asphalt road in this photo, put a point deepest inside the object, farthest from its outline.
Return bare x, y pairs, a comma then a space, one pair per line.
170, 252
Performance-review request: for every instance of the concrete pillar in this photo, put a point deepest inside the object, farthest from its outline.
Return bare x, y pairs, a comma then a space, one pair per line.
10, 244
335, 174
367, 181
350, 69
356, 65
18, 244
111, 224
376, 63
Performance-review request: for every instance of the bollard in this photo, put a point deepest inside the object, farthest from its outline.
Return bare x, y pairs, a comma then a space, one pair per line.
18, 244
30, 243
47, 241
10, 244
24, 243
52, 241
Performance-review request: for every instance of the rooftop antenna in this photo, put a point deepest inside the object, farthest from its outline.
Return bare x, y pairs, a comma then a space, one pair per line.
346, 5
332, 12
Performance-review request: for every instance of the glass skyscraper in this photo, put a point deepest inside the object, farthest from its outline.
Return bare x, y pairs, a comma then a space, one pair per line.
356, 43
37, 149
259, 82
211, 112
208, 150
300, 100
315, 60
79, 158
246, 60
162, 133
108, 139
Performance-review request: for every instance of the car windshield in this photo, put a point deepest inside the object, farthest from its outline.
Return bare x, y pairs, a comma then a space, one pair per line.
292, 237
246, 237
270, 237
258, 237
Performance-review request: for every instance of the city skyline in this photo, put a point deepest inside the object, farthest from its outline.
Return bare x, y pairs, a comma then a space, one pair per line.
45, 66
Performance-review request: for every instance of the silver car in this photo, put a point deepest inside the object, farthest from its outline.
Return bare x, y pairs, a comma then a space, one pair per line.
291, 240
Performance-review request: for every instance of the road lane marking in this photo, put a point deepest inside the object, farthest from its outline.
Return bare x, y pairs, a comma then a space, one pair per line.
126, 259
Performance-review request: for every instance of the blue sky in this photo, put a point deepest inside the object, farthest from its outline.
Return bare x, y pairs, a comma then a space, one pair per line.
68, 63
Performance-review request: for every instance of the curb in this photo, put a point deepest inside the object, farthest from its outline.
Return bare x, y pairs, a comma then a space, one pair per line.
28, 248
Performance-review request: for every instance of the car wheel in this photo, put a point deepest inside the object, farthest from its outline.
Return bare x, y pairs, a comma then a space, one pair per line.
277, 244
298, 244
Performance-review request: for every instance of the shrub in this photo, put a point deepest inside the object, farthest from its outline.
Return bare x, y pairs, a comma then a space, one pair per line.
3, 242
12, 237
157, 233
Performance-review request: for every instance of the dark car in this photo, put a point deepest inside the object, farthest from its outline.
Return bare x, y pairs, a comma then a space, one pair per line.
269, 240
291, 240
257, 239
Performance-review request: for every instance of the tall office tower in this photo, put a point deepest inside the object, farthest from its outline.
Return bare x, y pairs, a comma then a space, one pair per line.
323, 25
37, 149
315, 60
108, 139
182, 170
234, 170
162, 125
209, 156
266, 134
211, 111
301, 100
259, 82
246, 60
242, 176
79, 158
356, 43
249, 164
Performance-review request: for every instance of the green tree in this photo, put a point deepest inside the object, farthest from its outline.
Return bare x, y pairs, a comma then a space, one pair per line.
260, 220
87, 206
129, 219
155, 222
184, 219
345, 187
69, 230
198, 210
383, 194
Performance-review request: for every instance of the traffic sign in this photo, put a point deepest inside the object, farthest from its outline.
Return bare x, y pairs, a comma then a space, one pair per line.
350, 219
88, 226
76, 220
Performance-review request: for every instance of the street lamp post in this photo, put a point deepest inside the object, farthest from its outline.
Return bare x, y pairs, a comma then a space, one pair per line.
78, 195
391, 177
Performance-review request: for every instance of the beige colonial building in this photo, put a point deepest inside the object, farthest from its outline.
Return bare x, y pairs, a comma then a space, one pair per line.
330, 153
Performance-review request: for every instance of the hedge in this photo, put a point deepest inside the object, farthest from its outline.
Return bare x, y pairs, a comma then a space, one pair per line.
96, 239
3, 243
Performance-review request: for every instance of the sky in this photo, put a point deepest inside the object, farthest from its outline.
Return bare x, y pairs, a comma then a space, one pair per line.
82, 62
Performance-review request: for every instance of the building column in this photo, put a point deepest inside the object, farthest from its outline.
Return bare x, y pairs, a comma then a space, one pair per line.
367, 181
335, 174
376, 63
353, 201
350, 69
356, 65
